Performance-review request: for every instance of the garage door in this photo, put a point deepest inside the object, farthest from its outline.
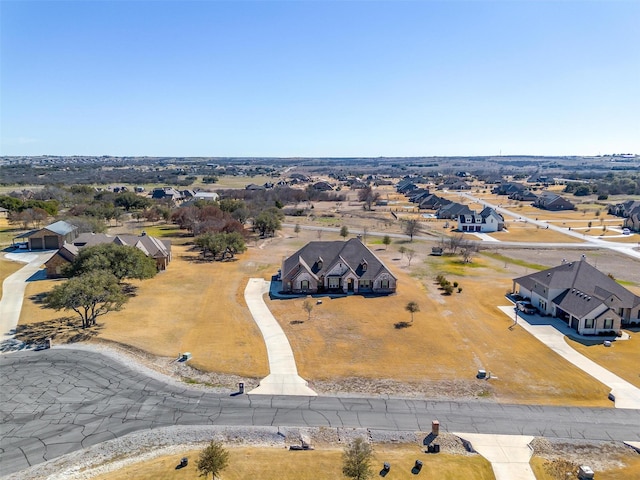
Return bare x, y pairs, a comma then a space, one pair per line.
50, 242
36, 243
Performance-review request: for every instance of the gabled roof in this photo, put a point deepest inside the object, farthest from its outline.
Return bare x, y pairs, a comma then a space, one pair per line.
61, 227
353, 253
582, 280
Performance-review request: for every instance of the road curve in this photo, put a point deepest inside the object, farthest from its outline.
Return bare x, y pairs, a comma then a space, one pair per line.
61, 400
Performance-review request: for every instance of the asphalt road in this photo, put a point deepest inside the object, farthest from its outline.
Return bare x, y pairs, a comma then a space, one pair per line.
62, 400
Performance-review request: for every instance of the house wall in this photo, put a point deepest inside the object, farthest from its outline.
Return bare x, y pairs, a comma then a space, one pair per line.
55, 265
296, 283
378, 281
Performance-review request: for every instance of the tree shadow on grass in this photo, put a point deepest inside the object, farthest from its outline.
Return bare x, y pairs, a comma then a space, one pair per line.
62, 330
296, 322
401, 325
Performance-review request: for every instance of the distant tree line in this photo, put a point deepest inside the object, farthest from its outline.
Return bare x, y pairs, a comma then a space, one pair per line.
610, 184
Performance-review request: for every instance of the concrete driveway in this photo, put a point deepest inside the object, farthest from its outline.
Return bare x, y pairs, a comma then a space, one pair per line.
14, 285
283, 378
551, 332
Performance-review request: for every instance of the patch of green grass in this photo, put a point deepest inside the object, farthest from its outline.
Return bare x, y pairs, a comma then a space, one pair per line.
522, 263
627, 283
193, 381
163, 230
453, 265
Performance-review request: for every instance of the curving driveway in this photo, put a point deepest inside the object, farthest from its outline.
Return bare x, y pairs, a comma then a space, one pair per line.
14, 285
62, 400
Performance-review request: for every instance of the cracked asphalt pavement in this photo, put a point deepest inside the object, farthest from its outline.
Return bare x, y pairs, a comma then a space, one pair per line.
58, 401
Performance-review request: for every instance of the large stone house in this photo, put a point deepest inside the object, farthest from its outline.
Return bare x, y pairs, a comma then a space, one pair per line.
488, 220
587, 299
159, 250
336, 267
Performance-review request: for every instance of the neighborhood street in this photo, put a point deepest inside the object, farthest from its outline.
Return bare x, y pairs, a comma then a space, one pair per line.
61, 400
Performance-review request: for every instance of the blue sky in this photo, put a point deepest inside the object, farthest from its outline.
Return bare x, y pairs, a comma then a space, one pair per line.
319, 78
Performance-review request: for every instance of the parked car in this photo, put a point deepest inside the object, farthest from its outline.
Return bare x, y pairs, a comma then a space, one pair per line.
527, 308
626, 231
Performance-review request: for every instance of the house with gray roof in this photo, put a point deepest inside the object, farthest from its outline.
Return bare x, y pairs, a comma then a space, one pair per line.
552, 201
336, 267
452, 211
51, 237
587, 299
159, 250
488, 220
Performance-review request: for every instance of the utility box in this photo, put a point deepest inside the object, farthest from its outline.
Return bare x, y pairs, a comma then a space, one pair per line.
481, 374
585, 473
185, 356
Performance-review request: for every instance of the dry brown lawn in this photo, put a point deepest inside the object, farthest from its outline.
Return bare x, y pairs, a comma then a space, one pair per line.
266, 463
7, 267
193, 306
451, 337
630, 470
527, 232
622, 358
199, 307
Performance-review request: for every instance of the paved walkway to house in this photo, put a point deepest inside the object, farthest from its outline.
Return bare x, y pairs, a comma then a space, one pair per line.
14, 285
551, 332
509, 454
283, 378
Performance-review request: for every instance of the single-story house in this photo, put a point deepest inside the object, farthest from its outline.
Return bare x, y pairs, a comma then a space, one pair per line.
209, 196
452, 211
336, 266
587, 299
51, 237
4, 213
488, 220
159, 250
552, 201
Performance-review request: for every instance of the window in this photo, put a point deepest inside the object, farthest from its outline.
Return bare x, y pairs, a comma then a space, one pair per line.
334, 282
384, 283
608, 323
364, 283
304, 285
588, 323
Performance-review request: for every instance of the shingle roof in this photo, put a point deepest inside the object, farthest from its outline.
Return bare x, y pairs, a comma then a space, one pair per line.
352, 252
582, 278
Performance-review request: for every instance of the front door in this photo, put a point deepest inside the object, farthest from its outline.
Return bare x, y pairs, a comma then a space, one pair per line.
350, 285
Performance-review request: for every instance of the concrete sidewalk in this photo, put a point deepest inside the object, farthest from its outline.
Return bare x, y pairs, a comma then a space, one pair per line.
624, 393
283, 378
14, 285
509, 454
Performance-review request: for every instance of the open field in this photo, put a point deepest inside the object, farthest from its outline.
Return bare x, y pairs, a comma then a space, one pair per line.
354, 338
348, 346
193, 306
326, 463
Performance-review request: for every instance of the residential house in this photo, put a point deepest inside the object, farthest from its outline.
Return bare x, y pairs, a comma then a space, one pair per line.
208, 196
433, 202
552, 201
336, 266
322, 186
630, 210
159, 250
452, 210
51, 237
4, 213
488, 220
523, 196
166, 193
508, 188
587, 299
